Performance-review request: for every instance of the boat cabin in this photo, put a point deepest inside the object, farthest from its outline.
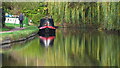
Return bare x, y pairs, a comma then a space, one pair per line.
46, 22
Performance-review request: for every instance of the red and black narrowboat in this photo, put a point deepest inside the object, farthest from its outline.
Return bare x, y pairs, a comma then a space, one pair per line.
47, 25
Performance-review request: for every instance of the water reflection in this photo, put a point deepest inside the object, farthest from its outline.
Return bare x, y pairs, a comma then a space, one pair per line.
72, 47
47, 38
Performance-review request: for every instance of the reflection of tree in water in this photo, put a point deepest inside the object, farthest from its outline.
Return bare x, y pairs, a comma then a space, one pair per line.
80, 49
94, 46
15, 59
27, 56
6, 58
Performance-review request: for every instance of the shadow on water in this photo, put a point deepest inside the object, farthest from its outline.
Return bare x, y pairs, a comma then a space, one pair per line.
70, 47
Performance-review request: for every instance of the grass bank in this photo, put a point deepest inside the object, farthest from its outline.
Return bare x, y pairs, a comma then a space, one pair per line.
17, 35
9, 26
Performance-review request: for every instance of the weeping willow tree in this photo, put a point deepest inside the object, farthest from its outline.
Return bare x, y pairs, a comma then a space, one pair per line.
104, 14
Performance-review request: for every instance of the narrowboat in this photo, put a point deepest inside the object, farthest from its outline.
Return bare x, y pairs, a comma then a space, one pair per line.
47, 25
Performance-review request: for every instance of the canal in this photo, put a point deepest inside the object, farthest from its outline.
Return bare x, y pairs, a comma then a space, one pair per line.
67, 47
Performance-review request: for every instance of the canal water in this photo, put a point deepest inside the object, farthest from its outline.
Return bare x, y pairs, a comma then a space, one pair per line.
66, 47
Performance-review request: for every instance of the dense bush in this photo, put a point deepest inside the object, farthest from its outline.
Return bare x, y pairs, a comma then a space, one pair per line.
33, 10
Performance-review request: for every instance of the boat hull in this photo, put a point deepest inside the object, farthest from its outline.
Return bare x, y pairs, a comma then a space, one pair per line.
46, 31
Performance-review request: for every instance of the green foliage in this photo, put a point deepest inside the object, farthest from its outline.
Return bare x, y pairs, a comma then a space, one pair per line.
104, 14
5, 29
33, 10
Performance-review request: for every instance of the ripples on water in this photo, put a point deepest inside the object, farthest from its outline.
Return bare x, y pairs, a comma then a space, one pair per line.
68, 47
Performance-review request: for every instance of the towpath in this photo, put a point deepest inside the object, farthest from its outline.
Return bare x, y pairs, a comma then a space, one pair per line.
12, 30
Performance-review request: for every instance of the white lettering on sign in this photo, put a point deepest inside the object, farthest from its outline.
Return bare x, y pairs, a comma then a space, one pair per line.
12, 20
